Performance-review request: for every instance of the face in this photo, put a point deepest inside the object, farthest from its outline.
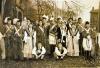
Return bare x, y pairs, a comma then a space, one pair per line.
80, 20
25, 18
44, 21
70, 20
36, 22
39, 45
59, 20
18, 23
9, 22
52, 22
40, 23
87, 25
60, 45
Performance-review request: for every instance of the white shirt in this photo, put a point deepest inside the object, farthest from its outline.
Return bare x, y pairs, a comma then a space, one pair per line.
34, 51
59, 53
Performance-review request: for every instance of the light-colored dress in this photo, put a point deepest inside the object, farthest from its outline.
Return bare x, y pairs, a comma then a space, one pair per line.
73, 45
34, 39
36, 51
87, 41
58, 53
2, 46
27, 46
52, 36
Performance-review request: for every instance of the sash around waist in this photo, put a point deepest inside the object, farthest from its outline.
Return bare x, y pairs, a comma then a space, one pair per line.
51, 34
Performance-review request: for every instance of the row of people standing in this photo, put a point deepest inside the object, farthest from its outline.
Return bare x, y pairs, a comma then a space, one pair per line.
57, 38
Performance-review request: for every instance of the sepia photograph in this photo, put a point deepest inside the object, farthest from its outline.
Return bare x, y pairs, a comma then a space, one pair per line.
49, 33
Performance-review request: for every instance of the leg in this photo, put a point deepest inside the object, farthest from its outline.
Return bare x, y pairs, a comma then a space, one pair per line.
42, 56
56, 56
85, 55
51, 50
3, 48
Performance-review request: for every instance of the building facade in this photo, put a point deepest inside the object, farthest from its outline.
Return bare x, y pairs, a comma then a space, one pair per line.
95, 18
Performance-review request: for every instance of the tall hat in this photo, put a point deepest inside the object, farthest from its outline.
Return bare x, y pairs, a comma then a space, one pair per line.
15, 20
6, 19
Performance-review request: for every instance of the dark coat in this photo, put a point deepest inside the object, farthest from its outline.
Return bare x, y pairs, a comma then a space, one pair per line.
59, 35
40, 36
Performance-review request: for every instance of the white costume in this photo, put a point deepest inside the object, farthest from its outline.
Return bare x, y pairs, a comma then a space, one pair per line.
63, 32
34, 39
87, 42
28, 45
52, 36
58, 53
37, 52
73, 45
2, 46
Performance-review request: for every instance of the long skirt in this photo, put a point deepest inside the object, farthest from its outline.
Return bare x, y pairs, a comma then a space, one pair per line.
73, 46
2, 46
87, 44
28, 48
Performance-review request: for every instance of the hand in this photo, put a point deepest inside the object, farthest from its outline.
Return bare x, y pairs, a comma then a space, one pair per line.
37, 57
40, 55
88, 37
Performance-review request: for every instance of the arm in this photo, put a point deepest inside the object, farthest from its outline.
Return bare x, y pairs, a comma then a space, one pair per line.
43, 52
57, 52
65, 51
34, 36
34, 51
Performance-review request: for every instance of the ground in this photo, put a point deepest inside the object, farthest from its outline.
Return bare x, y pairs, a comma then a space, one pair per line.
68, 62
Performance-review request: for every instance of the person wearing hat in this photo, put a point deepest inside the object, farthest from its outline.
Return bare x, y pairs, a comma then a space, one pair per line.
73, 37
61, 31
60, 51
39, 51
40, 35
52, 36
2, 40
59, 25
44, 20
87, 41
8, 38
18, 55
28, 45
14, 39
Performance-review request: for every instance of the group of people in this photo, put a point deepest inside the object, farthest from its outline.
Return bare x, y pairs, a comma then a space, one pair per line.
49, 36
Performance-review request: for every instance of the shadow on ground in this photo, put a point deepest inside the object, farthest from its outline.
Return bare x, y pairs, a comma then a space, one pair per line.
50, 63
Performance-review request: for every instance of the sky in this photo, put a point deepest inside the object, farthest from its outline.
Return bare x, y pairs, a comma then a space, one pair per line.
86, 6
